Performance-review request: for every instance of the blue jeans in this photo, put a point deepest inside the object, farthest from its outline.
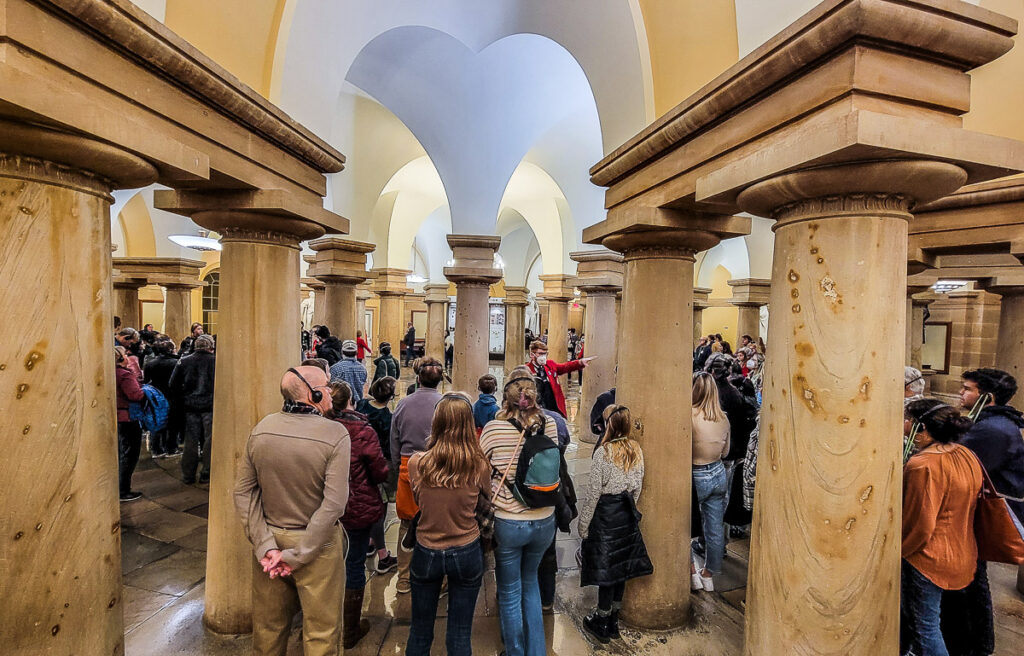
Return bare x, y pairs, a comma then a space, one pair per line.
712, 487
464, 567
355, 559
921, 600
519, 547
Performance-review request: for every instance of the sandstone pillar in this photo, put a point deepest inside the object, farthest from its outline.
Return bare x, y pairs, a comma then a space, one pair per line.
543, 311
363, 294
838, 289
341, 265
1010, 344
473, 272
700, 302
258, 314
749, 294
654, 312
391, 286
61, 522
516, 300
178, 311
599, 276
319, 302
558, 292
437, 319
126, 300
915, 325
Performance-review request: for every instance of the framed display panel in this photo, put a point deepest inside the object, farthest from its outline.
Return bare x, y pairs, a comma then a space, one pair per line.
936, 347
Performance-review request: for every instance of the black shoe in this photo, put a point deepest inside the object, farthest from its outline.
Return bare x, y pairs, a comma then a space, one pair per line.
597, 626
613, 626
188, 481
131, 496
204, 479
386, 564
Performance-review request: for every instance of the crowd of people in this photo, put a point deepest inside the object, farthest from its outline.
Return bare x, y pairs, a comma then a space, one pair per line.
150, 369
471, 476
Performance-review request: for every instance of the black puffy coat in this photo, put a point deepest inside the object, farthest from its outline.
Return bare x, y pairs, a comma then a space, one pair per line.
158, 370
192, 381
330, 350
614, 550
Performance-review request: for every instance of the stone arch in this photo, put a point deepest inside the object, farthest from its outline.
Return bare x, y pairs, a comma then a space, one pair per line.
136, 227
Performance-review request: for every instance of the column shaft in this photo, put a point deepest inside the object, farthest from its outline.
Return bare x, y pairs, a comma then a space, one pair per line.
390, 325
515, 328
177, 312
472, 335
62, 551
825, 553
558, 330
749, 322
319, 306
436, 311
654, 312
600, 344
259, 314
126, 305
1010, 344
340, 309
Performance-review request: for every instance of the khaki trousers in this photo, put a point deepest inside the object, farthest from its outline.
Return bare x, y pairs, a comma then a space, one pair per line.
317, 589
404, 555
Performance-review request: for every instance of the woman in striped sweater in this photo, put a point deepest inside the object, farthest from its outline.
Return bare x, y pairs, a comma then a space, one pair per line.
522, 534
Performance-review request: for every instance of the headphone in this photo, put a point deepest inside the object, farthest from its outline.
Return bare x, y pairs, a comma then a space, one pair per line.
456, 395
315, 395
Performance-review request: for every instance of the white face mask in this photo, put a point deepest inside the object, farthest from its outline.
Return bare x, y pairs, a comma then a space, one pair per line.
542, 360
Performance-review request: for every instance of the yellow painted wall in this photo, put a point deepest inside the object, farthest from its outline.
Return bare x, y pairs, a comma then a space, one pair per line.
137, 228
721, 318
240, 35
997, 89
691, 42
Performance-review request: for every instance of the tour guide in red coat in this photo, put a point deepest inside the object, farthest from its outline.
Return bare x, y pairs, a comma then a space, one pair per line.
551, 398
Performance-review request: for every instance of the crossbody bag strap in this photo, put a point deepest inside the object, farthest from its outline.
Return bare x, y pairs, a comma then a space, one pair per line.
509, 467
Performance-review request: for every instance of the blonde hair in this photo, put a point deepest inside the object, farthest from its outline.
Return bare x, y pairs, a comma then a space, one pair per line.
624, 451
705, 397
519, 399
454, 457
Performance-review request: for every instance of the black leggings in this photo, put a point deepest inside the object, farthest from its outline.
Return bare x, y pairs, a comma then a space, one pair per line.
609, 594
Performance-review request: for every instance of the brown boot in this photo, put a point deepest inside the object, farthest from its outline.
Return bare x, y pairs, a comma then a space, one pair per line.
353, 628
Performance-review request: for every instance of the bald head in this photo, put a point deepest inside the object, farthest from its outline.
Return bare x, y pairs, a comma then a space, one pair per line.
293, 389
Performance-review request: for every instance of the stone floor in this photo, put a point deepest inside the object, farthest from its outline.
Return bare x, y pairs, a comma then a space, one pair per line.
163, 550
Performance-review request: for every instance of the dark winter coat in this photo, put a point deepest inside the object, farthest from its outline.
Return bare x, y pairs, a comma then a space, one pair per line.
604, 400
996, 439
386, 365
157, 372
614, 549
742, 417
330, 350
368, 469
192, 381
128, 391
380, 419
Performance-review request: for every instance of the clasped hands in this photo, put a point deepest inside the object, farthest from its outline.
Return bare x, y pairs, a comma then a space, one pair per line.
273, 566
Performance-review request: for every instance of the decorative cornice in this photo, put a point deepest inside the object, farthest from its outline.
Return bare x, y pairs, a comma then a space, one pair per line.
897, 205
271, 237
32, 169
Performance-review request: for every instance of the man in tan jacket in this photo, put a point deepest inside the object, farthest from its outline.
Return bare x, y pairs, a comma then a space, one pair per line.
291, 493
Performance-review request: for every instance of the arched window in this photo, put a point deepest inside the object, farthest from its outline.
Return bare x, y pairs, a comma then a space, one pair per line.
211, 301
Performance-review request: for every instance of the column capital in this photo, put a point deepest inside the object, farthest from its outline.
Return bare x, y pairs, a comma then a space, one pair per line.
339, 260
655, 232
271, 215
363, 291
164, 271
750, 292
391, 282
125, 282
314, 284
473, 259
517, 296
436, 292
558, 288
700, 297
598, 271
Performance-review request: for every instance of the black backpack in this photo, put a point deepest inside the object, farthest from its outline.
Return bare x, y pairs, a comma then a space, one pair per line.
537, 483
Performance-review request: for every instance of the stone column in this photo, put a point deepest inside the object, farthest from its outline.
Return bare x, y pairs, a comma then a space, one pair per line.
126, 301
437, 319
473, 272
915, 324
391, 286
700, 302
543, 312
319, 301
558, 292
516, 300
657, 300
61, 522
341, 265
828, 474
178, 310
1010, 343
599, 276
749, 294
258, 314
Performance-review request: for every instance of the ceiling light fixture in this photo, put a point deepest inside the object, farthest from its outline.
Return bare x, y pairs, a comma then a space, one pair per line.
200, 242
946, 286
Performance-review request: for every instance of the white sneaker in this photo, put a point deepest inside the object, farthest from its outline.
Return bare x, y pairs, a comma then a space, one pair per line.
707, 583
695, 582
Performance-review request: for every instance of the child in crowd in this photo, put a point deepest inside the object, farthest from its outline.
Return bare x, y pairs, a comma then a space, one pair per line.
486, 406
613, 548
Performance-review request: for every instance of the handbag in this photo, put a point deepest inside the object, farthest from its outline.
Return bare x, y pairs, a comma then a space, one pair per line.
997, 530
484, 512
